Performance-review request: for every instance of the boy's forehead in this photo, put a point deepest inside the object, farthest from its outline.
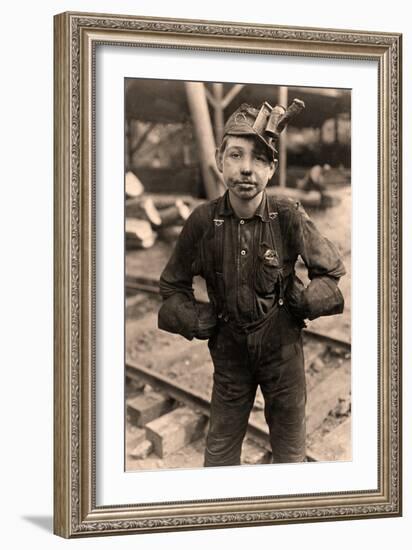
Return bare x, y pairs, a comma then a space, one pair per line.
249, 143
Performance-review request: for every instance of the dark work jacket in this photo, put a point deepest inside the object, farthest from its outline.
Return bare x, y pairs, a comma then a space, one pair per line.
253, 276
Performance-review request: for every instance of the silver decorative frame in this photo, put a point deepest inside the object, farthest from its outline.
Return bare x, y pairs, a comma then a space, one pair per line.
76, 36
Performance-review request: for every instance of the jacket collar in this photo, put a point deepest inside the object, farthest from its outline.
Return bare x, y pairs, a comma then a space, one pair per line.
224, 208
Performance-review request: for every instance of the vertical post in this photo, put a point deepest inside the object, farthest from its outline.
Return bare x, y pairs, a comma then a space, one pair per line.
127, 138
283, 158
218, 111
196, 98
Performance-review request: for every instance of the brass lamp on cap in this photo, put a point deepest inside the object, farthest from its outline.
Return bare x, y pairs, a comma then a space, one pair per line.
266, 123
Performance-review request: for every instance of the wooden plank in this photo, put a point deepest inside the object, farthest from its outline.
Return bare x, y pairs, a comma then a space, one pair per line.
174, 430
135, 438
142, 451
139, 234
148, 406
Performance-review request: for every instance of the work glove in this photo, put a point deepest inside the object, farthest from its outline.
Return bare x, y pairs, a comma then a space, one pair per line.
323, 297
296, 299
178, 315
206, 320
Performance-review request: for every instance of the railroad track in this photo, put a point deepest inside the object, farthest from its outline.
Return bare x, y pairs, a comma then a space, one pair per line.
169, 380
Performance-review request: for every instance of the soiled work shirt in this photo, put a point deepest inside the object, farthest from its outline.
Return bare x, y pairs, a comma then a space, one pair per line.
244, 240
250, 275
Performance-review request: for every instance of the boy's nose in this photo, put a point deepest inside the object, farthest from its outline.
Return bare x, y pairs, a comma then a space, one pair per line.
246, 167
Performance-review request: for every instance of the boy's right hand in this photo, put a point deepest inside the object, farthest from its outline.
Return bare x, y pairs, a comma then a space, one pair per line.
206, 321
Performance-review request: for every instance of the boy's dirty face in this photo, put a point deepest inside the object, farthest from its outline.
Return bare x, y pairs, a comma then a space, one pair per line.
245, 165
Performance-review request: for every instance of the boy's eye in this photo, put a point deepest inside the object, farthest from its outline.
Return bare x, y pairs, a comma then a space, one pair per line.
235, 155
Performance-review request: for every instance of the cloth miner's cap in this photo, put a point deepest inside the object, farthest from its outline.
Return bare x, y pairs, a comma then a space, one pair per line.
266, 123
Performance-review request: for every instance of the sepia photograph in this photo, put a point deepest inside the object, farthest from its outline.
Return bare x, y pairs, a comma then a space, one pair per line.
237, 254
227, 259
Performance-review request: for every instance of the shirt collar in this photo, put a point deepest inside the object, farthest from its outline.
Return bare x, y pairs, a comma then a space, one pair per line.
225, 208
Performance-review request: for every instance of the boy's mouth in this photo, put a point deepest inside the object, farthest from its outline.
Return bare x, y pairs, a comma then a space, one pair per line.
245, 183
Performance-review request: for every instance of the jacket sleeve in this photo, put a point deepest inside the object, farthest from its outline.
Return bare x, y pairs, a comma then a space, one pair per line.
325, 267
180, 313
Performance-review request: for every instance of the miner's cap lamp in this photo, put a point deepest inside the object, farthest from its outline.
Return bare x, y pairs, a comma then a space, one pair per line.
266, 123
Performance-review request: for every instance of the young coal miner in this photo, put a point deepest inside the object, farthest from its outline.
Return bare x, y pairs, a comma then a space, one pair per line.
245, 245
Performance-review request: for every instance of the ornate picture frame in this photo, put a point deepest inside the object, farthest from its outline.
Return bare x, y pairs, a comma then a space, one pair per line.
76, 511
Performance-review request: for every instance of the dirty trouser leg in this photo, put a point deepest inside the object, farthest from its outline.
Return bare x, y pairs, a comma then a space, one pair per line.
233, 394
230, 409
282, 380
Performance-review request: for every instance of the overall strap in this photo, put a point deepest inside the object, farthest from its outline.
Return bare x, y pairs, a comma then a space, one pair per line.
278, 242
275, 227
219, 235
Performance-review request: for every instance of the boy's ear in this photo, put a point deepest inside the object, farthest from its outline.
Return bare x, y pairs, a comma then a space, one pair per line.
219, 160
274, 166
